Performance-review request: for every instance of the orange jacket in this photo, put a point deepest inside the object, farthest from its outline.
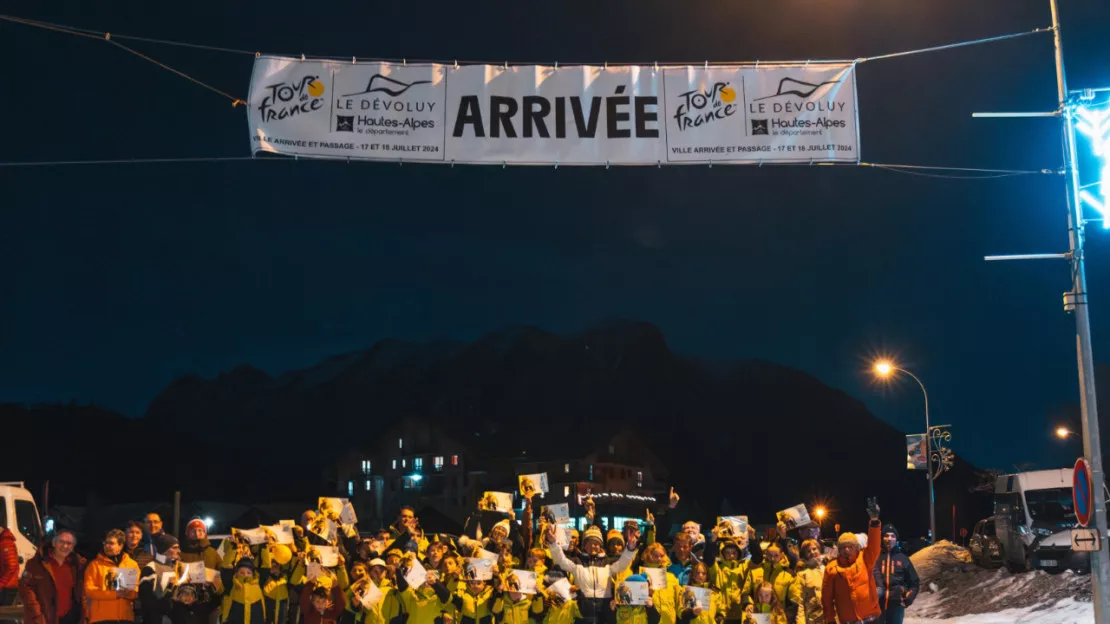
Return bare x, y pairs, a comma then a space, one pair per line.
848, 591
103, 603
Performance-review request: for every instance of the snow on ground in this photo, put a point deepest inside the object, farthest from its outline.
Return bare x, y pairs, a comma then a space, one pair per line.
955, 591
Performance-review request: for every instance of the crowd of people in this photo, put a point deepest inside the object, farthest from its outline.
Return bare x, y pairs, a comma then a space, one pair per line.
501, 570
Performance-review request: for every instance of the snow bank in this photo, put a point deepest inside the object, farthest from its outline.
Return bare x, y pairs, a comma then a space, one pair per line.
956, 591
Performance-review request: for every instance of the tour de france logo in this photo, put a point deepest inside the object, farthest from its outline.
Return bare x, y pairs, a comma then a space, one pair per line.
288, 99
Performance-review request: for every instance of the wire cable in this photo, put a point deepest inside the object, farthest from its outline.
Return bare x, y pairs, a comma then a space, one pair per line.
94, 34
922, 170
108, 38
950, 46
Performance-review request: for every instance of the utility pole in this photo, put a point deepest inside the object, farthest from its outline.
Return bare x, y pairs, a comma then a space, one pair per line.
1076, 300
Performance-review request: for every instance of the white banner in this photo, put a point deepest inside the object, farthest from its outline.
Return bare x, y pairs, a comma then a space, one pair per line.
540, 115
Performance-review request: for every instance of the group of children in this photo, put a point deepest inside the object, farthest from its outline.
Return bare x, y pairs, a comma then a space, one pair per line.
500, 571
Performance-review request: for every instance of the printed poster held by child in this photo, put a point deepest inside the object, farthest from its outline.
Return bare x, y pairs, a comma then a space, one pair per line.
794, 517
532, 484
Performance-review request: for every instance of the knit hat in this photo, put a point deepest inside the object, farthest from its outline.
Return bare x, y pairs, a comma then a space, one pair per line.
245, 562
614, 536
504, 524
631, 524
889, 528
376, 563
848, 538
592, 533
197, 522
164, 542
574, 532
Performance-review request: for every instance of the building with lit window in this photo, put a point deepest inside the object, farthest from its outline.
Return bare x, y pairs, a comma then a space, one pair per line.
426, 467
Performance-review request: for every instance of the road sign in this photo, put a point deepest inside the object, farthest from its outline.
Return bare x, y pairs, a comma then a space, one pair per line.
1085, 540
1082, 494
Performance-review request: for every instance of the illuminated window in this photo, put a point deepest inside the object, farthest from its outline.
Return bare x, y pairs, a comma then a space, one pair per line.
395, 464
591, 472
418, 464
454, 460
438, 462
403, 463
366, 466
566, 491
566, 468
639, 479
368, 485
400, 443
350, 488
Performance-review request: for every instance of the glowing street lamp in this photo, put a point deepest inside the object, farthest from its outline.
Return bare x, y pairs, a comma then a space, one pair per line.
820, 512
1063, 433
885, 369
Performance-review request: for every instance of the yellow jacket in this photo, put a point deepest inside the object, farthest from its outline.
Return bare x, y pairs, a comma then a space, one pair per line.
566, 613
102, 602
422, 605
777, 575
519, 612
472, 606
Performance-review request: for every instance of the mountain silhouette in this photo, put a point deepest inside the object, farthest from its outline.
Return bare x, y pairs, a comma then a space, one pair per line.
761, 435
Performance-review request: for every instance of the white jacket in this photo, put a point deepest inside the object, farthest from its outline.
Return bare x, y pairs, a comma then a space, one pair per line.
593, 581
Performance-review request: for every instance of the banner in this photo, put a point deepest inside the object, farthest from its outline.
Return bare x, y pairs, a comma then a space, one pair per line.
543, 115
917, 456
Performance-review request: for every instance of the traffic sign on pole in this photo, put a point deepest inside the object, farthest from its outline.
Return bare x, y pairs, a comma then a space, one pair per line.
1082, 492
1085, 540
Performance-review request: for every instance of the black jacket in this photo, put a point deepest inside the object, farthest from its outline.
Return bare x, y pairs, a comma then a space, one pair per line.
896, 579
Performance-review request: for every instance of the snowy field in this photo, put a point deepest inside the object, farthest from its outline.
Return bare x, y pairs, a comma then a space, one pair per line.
955, 591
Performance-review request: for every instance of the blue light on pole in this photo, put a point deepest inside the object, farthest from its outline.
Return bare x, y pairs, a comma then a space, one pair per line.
1093, 123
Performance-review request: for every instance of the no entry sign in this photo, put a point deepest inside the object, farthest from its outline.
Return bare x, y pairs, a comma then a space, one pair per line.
1082, 493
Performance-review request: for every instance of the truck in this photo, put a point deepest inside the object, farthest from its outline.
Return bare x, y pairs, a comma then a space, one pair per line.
1034, 516
19, 513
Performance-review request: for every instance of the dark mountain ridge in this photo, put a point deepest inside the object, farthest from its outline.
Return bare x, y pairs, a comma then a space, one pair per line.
760, 435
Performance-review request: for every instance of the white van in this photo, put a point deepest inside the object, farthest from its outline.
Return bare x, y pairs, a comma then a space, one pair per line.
19, 513
1034, 515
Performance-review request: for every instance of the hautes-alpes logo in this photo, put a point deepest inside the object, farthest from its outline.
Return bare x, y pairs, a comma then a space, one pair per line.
290, 99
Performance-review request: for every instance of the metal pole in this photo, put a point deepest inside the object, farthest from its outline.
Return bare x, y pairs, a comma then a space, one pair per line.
928, 457
1100, 561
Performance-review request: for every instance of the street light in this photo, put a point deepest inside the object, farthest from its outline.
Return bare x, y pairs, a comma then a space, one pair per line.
886, 369
1063, 433
820, 512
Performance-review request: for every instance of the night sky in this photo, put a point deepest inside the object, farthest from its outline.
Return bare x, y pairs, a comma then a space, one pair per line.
116, 279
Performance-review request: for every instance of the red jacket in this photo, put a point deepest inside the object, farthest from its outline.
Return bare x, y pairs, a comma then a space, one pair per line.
37, 589
848, 591
9, 560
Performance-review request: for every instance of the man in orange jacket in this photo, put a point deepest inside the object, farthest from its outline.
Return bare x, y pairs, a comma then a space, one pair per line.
848, 590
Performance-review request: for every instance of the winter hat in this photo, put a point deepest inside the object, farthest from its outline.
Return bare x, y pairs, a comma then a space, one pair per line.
164, 542
848, 538
245, 562
592, 533
889, 528
504, 524
195, 522
376, 563
574, 532
631, 524
614, 536
729, 543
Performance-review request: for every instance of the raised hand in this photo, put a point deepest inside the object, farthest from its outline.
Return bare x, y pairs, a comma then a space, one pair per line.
674, 498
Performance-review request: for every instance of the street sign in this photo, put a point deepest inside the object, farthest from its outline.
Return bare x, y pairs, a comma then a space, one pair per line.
1082, 493
1085, 540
